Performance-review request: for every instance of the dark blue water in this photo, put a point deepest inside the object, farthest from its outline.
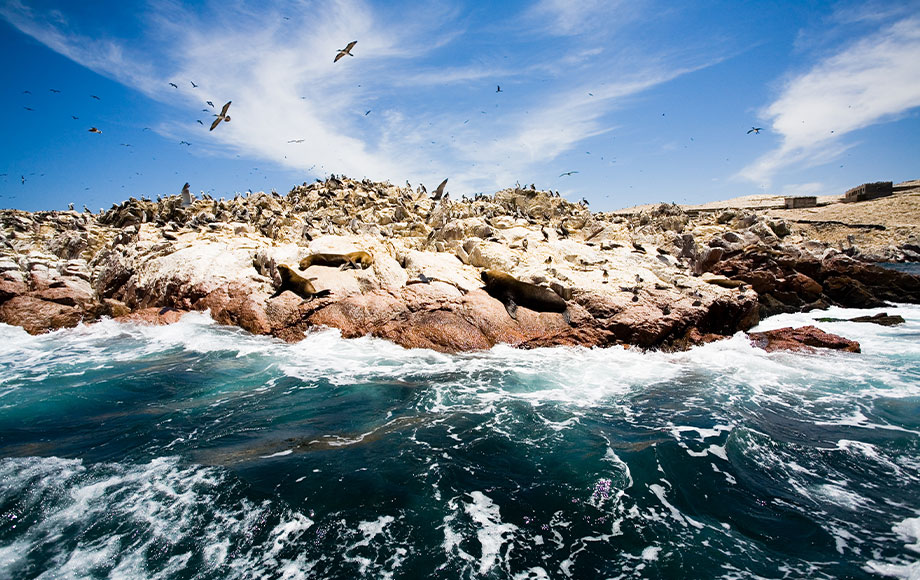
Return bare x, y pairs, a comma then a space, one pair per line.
198, 451
906, 267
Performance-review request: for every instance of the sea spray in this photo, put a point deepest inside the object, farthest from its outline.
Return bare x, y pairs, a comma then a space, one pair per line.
199, 451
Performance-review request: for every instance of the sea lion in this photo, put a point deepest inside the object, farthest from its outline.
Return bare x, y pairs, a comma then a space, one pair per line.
291, 280
513, 293
344, 261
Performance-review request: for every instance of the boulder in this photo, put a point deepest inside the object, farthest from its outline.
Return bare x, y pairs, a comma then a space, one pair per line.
805, 338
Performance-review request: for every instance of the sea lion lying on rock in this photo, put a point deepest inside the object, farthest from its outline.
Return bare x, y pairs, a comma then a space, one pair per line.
513, 293
291, 280
344, 261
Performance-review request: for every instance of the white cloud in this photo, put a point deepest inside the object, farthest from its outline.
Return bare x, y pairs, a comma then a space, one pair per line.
872, 81
425, 123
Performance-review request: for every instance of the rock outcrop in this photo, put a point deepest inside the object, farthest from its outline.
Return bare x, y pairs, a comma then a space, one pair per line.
658, 279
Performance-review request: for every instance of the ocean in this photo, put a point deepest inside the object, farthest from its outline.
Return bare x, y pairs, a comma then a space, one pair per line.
200, 451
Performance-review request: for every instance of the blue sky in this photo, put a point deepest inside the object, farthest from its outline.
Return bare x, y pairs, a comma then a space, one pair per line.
647, 101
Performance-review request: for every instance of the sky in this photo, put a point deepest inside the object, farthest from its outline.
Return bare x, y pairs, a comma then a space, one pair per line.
618, 102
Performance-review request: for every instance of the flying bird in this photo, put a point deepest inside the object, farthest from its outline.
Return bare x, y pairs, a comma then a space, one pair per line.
755, 130
498, 88
74, 117
439, 192
95, 97
210, 103
347, 50
27, 92
28, 108
368, 112
221, 117
199, 121
174, 85
184, 143
296, 141
54, 90
567, 173
94, 130
194, 86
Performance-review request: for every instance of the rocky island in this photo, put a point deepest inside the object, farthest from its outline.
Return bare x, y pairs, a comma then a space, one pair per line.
659, 276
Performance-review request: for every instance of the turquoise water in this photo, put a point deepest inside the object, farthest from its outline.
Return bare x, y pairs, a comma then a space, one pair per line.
198, 451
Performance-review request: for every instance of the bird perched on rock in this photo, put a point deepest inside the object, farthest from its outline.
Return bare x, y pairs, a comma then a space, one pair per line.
223, 116
755, 130
343, 51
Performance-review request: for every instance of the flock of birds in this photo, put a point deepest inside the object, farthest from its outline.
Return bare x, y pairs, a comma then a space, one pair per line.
223, 116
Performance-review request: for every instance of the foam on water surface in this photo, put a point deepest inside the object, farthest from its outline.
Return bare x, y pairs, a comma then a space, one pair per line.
199, 451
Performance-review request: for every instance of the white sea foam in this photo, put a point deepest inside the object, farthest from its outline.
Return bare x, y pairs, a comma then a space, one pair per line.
141, 508
906, 567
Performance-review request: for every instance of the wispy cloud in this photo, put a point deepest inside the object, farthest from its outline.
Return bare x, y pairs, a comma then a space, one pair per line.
427, 121
872, 81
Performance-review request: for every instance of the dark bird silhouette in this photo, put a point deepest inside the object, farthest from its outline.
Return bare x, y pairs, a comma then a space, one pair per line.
755, 130
368, 112
28, 108
94, 130
23, 178
223, 116
567, 173
498, 88
184, 143
174, 85
439, 192
343, 51
54, 90
200, 122
27, 92
125, 144
210, 103
194, 86
95, 97
74, 117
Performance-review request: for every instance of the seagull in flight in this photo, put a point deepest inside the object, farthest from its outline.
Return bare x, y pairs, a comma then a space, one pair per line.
439, 192
95, 97
174, 85
567, 173
199, 121
210, 103
498, 88
184, 143
223, 116
194, 86
296, 141
755, 130
94, 130
54, 90
343, 51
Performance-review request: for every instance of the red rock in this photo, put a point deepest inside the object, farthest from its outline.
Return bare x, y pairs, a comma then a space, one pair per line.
10, 288
156, 316
804, 338
38, 316
236, 304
